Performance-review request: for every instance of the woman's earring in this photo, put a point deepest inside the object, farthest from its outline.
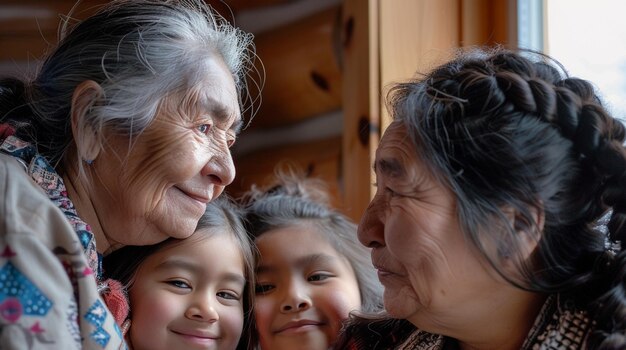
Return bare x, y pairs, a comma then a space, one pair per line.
88, 161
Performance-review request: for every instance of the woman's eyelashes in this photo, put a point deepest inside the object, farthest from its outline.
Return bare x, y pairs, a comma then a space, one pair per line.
386, 190
231, 141
204, 128
207, 129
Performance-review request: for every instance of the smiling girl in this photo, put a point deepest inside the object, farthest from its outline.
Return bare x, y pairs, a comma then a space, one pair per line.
312, 272
192, 293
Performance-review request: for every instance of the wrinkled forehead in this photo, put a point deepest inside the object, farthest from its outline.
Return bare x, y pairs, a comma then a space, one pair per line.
214, 96
395, 145
219, 82
211, 90
397, 131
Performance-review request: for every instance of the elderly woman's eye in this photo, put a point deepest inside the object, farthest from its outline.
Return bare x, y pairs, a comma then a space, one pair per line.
231, 137
204, 128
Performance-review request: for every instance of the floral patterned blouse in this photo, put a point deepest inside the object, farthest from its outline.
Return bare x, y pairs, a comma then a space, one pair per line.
49, 267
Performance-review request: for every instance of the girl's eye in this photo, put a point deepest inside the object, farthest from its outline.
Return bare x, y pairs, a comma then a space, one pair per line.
319, 277
263, 288
204, 128
228, 295
179, 284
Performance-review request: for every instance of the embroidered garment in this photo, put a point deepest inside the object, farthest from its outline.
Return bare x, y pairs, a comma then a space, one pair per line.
559, 325
49, 265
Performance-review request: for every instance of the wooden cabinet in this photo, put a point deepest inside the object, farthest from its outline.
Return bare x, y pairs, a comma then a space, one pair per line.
328, 65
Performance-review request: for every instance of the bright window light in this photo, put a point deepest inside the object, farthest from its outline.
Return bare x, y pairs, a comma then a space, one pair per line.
589, 39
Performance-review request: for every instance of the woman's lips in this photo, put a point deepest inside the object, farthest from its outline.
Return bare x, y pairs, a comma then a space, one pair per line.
200, 198
382, 272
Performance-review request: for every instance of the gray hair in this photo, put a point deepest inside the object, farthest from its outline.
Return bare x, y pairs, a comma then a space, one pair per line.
139, 51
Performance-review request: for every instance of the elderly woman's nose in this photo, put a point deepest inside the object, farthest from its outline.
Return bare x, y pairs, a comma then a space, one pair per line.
371, 228
220, 168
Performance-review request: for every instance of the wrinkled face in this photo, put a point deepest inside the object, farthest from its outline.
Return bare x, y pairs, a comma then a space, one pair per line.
431, 274
304, 290
159, 185
189, 295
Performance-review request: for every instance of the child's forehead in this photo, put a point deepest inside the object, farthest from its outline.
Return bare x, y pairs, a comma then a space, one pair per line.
295, 242
299, 227
198, 253
280, 257
201, 239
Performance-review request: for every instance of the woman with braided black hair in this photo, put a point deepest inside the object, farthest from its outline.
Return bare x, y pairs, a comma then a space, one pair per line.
499, 212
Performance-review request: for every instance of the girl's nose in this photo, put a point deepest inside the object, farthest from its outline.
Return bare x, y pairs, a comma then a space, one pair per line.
203, 309
296, 299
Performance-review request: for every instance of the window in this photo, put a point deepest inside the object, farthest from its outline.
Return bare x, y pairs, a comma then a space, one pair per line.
587, 37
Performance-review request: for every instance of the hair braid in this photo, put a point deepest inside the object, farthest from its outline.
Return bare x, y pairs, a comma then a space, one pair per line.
505, 113
572, 107
600, 138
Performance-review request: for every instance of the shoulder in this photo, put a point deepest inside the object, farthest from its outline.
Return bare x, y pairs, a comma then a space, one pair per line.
42, 260
24, 206
19, 194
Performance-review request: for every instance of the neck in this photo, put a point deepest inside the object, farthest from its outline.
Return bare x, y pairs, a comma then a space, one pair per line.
504, 324
499, 316
81, 198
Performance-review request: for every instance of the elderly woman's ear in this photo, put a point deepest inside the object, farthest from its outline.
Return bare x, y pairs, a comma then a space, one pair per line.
85, 96
528, 228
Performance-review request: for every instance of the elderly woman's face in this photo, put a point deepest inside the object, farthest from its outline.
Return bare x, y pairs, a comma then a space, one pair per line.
158, 186
429, 270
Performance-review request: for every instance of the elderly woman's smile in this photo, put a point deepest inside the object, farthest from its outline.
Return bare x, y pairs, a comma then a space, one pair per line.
159, 183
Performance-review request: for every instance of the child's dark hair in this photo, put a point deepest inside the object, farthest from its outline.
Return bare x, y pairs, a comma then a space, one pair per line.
221, 214
296, 200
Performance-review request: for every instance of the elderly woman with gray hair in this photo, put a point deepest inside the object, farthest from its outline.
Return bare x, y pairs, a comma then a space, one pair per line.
122, 138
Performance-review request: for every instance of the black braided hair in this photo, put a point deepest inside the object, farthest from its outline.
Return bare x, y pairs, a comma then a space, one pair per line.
506, 130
